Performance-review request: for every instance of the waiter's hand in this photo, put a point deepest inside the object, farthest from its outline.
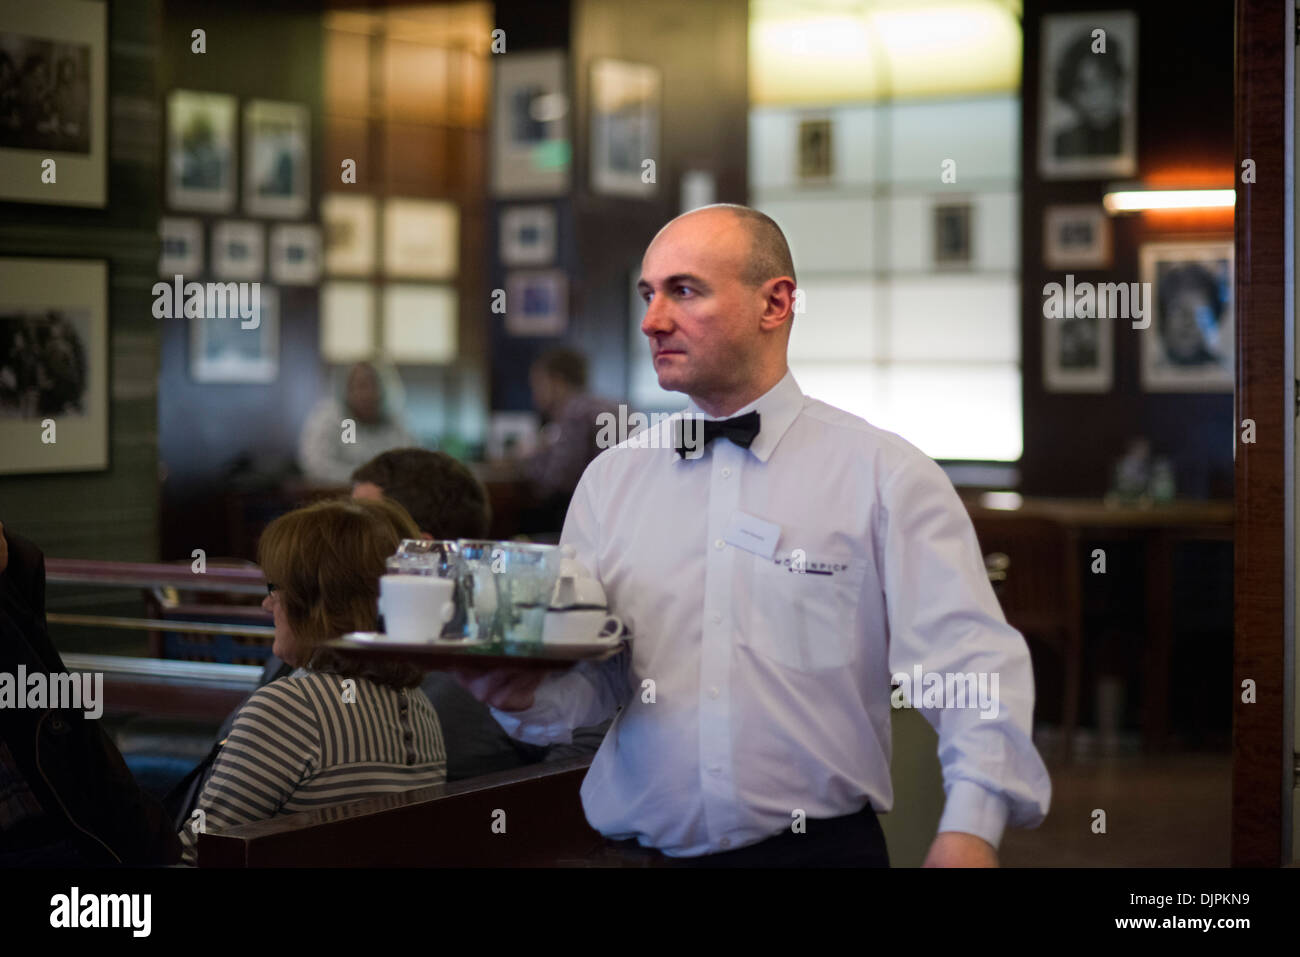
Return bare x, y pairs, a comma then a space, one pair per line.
956, 849
506, 689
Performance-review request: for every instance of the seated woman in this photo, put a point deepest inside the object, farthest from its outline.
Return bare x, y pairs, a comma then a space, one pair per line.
316, 738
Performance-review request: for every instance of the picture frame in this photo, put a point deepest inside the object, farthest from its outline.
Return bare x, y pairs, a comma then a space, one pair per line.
349, 226
1076, 237
347, 321
59, 46
816, 164
419, 323
952, 235
531, 145
238, 250
421, 239
1087, 96
1078, 354
277, 159
537, 302
625, 110
54, 365
295, 254
224, 351
528, 235
1189, 344
182, 247
201, 151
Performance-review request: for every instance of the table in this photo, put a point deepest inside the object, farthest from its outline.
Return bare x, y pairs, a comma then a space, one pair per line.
1159, 528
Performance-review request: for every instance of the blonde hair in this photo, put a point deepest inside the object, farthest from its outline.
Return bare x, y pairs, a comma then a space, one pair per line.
325, 561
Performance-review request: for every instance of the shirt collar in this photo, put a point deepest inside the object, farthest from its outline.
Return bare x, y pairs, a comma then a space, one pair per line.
777, 409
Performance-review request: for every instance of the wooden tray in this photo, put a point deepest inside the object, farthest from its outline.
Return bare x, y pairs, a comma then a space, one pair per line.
442, 655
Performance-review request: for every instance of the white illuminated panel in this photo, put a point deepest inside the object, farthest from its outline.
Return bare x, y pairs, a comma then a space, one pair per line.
964, 317
419, 322
838, 321
347, 321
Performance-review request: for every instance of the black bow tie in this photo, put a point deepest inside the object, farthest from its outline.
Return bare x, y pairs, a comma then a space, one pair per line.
691, 438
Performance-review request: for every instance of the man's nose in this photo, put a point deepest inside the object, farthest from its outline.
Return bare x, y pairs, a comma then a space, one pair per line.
657, 318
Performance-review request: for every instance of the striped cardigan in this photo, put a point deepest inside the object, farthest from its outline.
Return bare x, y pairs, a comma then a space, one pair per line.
298, 744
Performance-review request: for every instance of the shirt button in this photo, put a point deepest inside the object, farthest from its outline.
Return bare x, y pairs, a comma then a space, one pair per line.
726, 473
715, 769
717, 618
713, 692
719, 543
725, 842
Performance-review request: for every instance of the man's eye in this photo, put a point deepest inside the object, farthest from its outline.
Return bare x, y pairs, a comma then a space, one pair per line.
679, 289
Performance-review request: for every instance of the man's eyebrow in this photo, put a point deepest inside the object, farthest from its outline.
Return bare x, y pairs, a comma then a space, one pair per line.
681, 277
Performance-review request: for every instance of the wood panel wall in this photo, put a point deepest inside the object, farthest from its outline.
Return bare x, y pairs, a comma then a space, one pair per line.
1260, 639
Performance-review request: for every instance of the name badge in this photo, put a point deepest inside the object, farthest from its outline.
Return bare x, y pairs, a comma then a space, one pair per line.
753, 534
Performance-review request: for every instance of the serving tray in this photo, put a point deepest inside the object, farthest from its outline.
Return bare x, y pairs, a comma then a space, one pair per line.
441, 654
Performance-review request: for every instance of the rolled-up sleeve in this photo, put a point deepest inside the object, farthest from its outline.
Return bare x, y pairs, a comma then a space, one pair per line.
945, 620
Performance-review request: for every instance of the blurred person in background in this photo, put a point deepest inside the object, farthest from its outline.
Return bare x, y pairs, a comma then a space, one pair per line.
297, 744
568, 440
347, 430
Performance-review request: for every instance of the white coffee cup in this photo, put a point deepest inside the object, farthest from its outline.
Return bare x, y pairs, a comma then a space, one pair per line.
415, 607
580, 626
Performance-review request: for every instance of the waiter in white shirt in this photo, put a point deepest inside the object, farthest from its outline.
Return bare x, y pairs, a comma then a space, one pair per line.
775, 573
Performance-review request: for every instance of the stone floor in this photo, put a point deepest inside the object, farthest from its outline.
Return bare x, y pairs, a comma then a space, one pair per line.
1172, 809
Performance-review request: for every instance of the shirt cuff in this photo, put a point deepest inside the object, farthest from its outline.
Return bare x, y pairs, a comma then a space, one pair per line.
972, 809
542, 724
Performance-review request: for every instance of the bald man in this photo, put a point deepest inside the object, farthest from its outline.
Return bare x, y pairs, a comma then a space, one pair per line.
776, 581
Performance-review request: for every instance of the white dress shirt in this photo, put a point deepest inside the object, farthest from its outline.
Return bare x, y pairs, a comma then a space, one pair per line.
751, 690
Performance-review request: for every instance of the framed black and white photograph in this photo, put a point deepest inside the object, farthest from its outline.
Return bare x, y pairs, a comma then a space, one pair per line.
53, 90
421, 239
238, 250
1188, 346
952, 235
1078, 354
815, 150
350, 227
531, 146
201, 151
528, 236
295, 255
1076, 237
238, 350
53, 365
537, 302
625, 111
182, 247
277, 145
1088, 95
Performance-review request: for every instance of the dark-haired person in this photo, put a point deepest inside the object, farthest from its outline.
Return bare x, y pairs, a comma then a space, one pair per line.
442, 495
310, 740
1093, 85
67, 799
776, 581
448, 502
568, 442
1190, 301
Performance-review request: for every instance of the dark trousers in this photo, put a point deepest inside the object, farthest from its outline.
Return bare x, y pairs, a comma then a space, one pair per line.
854, 840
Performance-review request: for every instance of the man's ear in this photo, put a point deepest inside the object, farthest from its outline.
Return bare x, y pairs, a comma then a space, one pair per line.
780, 303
